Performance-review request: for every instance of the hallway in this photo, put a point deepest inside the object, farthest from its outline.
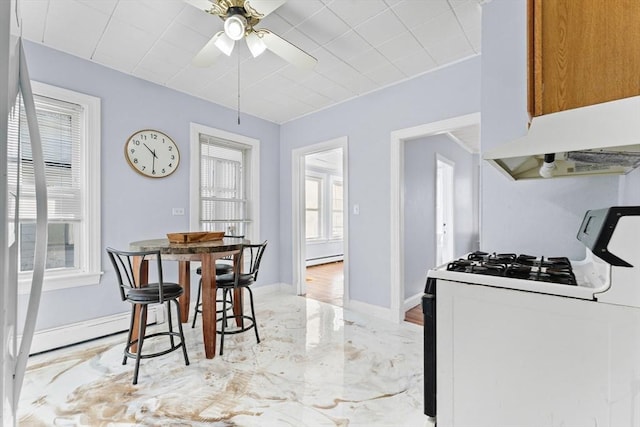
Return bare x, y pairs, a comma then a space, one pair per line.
325, 283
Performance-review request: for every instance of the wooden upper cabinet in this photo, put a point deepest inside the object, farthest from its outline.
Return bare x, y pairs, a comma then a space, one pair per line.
582, 52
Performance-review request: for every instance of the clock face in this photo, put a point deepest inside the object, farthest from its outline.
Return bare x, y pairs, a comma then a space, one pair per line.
152, 153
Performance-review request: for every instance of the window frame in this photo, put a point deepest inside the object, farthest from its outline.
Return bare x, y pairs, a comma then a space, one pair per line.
88, 271
252, 176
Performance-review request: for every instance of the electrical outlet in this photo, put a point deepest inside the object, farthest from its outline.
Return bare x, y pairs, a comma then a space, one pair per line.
177, 211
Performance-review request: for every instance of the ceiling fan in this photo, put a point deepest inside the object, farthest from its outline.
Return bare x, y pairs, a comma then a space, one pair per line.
240, 18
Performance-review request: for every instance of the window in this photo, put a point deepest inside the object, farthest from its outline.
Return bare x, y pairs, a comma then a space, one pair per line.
70, 133
313, 204
224, 184
337, 214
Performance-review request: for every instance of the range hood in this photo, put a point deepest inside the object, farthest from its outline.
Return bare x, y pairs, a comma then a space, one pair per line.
601, 139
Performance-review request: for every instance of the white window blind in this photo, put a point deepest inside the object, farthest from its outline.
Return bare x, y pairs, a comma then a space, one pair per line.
59, 123
223, 203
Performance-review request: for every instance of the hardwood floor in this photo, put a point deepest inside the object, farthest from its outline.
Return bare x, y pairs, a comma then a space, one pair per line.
325, 283
414, 315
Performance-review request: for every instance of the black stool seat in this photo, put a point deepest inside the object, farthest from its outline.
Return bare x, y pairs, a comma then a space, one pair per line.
151, 292
220, 269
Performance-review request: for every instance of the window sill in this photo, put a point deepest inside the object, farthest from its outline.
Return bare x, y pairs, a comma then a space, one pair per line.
55, 282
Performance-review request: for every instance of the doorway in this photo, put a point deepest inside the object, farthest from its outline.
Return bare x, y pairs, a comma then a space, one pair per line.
444, 210
320, 228
401, 303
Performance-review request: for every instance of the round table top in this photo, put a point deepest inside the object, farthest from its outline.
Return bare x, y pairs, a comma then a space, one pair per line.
225, 245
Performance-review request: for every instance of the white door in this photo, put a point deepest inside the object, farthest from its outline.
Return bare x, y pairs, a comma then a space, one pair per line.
444, 210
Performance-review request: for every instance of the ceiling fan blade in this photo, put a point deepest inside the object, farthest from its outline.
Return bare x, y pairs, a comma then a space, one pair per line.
208, 54
286, 50
261, 8
206, 5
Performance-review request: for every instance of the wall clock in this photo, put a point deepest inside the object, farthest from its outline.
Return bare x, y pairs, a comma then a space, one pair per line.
152, 153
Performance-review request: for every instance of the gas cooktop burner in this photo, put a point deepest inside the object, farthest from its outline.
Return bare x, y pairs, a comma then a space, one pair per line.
527, 267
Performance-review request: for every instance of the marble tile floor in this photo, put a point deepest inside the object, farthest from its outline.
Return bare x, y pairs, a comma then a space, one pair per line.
317, 365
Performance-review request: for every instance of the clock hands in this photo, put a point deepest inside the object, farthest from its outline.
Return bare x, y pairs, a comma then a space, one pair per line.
153, 163
152, 151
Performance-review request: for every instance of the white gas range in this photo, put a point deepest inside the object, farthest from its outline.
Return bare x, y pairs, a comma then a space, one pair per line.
518, 340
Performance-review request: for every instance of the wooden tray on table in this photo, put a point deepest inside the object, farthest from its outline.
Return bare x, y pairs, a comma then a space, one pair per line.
195, 236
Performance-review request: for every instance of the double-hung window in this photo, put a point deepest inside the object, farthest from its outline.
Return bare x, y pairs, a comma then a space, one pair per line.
224, 187
70, 133
337, 210
313, 207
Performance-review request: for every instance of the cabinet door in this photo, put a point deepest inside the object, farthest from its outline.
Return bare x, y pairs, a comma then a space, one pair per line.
582, 52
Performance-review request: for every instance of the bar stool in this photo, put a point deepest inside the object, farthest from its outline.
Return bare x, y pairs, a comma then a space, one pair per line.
141, 295
237, 280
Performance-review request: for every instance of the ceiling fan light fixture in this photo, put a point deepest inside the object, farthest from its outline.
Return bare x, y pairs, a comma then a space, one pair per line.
235, 26
224, 43
255, 44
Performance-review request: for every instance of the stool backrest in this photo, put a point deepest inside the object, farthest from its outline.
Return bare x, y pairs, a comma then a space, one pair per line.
255, 251
123, 264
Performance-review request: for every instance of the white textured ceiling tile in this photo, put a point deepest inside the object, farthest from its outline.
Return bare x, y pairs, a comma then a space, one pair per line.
414, 13
275, 23
185, 38
385, 75
355, 12
74, 27
417, 63
296, 74
300, 40
469, 14
475, 38
399, 47
451, 49
168, 8
122, 46
348, 45
381, 28
435, 30
143, 16
200, 21
326, 61
156, 64
34, 13
297, 11
323, 27
170, 53
152, 75
191, 79
328, 88
254, 72
102, 6
367, 60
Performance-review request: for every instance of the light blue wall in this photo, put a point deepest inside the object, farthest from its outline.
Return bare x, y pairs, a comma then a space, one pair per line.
539, 217
419, 207
135, 207
367, 122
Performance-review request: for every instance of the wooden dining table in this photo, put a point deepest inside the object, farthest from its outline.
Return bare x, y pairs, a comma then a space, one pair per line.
184, 253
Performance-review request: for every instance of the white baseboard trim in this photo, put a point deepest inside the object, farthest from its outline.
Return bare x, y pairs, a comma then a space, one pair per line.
412, 301
50, 339
324, 260
372, 310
